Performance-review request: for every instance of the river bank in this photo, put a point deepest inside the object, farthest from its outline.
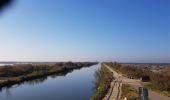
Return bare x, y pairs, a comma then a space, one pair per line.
103, 79
10, 75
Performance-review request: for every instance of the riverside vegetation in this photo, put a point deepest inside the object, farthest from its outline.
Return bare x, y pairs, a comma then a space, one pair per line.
10, 75
129, 92
158, 81
103, 79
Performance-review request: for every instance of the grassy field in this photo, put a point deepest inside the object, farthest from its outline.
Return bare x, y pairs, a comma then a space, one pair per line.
129, 92
150, 86
159, 82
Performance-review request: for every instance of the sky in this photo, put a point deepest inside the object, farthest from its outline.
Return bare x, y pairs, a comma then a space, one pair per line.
86, 30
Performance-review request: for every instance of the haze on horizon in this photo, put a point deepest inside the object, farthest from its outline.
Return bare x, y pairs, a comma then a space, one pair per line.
86, 30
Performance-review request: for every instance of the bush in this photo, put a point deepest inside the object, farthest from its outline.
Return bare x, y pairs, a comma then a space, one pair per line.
160, 80
129, 92
103, 79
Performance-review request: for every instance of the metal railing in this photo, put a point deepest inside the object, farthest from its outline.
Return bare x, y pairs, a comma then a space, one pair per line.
143, 93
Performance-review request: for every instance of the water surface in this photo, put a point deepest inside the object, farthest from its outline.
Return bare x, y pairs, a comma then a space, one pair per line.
76, 85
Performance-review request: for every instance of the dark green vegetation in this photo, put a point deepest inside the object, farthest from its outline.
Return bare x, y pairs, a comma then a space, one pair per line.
129, 92
103, 79
158, 81
10, 75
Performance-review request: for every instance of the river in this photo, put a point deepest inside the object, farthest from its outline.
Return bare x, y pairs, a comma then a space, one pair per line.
75, 85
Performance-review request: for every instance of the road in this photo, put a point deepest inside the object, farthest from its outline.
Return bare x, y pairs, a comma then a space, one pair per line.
115, 90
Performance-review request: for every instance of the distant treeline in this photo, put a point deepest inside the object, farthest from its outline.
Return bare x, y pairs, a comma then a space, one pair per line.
158, 80
10, 75
103, 79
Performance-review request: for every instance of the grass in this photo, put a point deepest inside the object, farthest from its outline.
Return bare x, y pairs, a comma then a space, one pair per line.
129, 92
159, 82
150, 86
103, 81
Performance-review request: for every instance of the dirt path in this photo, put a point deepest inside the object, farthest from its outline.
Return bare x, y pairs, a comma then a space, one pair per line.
115, 90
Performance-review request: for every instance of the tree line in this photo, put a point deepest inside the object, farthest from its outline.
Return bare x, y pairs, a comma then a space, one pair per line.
10, 75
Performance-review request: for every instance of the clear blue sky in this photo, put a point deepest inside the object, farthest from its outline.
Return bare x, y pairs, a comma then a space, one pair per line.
86, 30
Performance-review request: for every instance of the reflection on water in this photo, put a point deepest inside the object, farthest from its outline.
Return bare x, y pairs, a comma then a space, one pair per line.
37, 81
41, 80
73, 85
